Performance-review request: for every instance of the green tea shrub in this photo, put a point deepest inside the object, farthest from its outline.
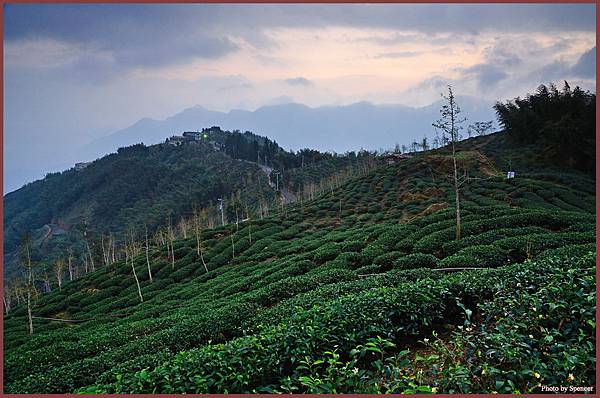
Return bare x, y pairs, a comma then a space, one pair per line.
328, 251
415, 260
372, 251
460, 261
369, 269
386, 261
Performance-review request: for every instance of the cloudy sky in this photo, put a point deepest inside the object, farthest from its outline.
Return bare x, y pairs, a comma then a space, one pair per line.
74, 73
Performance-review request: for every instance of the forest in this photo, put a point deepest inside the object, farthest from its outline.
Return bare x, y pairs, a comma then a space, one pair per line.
430, 273
563, 122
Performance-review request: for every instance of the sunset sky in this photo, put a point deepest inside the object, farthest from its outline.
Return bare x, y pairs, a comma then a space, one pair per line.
74, 73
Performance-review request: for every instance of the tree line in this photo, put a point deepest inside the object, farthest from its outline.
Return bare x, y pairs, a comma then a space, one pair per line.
563, 122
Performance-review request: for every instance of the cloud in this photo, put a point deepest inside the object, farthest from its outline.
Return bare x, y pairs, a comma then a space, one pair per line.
73, 70
502, 53
126, 37
111, 40
398, 54
41, 53
299, 81
586, 65
394, 38
486, 75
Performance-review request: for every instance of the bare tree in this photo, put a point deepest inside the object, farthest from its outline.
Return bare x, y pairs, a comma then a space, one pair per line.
29, 285
170, 239
7, 297
159, 238
130, 250
148, 254
105, 250
59, 267
450, 124
87, 243
424, 144
232, 243
183, 227
70, 263
249, 215
113, 251
46, 279
198, 217
480, 128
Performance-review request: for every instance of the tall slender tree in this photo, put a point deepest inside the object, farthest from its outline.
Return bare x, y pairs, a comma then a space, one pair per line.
59, 267
148, 253
198, 218
29, 284
450, 125
130, 252
70, 263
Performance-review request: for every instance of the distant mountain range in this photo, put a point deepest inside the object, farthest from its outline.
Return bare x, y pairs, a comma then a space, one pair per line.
293, 126
296, 126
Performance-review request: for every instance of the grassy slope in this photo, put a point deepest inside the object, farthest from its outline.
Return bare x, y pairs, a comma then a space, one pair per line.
136, 187
378, 231
140, 185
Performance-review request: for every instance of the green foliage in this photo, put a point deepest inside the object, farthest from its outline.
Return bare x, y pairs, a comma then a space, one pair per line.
327, 301
527, 338
562, 121
319, 350
416, 260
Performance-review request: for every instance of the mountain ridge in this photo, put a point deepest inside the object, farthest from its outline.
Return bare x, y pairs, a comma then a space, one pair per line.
294, 126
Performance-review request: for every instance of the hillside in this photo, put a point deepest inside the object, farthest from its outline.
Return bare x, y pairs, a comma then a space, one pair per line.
346, 291
143, 187
297, 126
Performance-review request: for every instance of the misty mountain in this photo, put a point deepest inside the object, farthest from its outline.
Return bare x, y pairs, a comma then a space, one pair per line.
295, 126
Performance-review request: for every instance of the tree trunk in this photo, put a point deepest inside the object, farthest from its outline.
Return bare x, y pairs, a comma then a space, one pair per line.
172, 256
249, 229
232, 246
199, 242
70, 264
137, 282
456, 187
457, 193
104, 251
29, 316
93, 268
148, 256
6, 300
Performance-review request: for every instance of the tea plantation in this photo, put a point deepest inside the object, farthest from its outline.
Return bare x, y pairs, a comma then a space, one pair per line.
349, 292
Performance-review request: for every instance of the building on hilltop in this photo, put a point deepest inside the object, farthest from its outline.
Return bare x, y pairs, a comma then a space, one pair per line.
175, 140
393, 158
196, 136
192, 136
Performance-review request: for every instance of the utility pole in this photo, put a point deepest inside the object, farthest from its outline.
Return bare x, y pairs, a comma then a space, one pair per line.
221, 208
